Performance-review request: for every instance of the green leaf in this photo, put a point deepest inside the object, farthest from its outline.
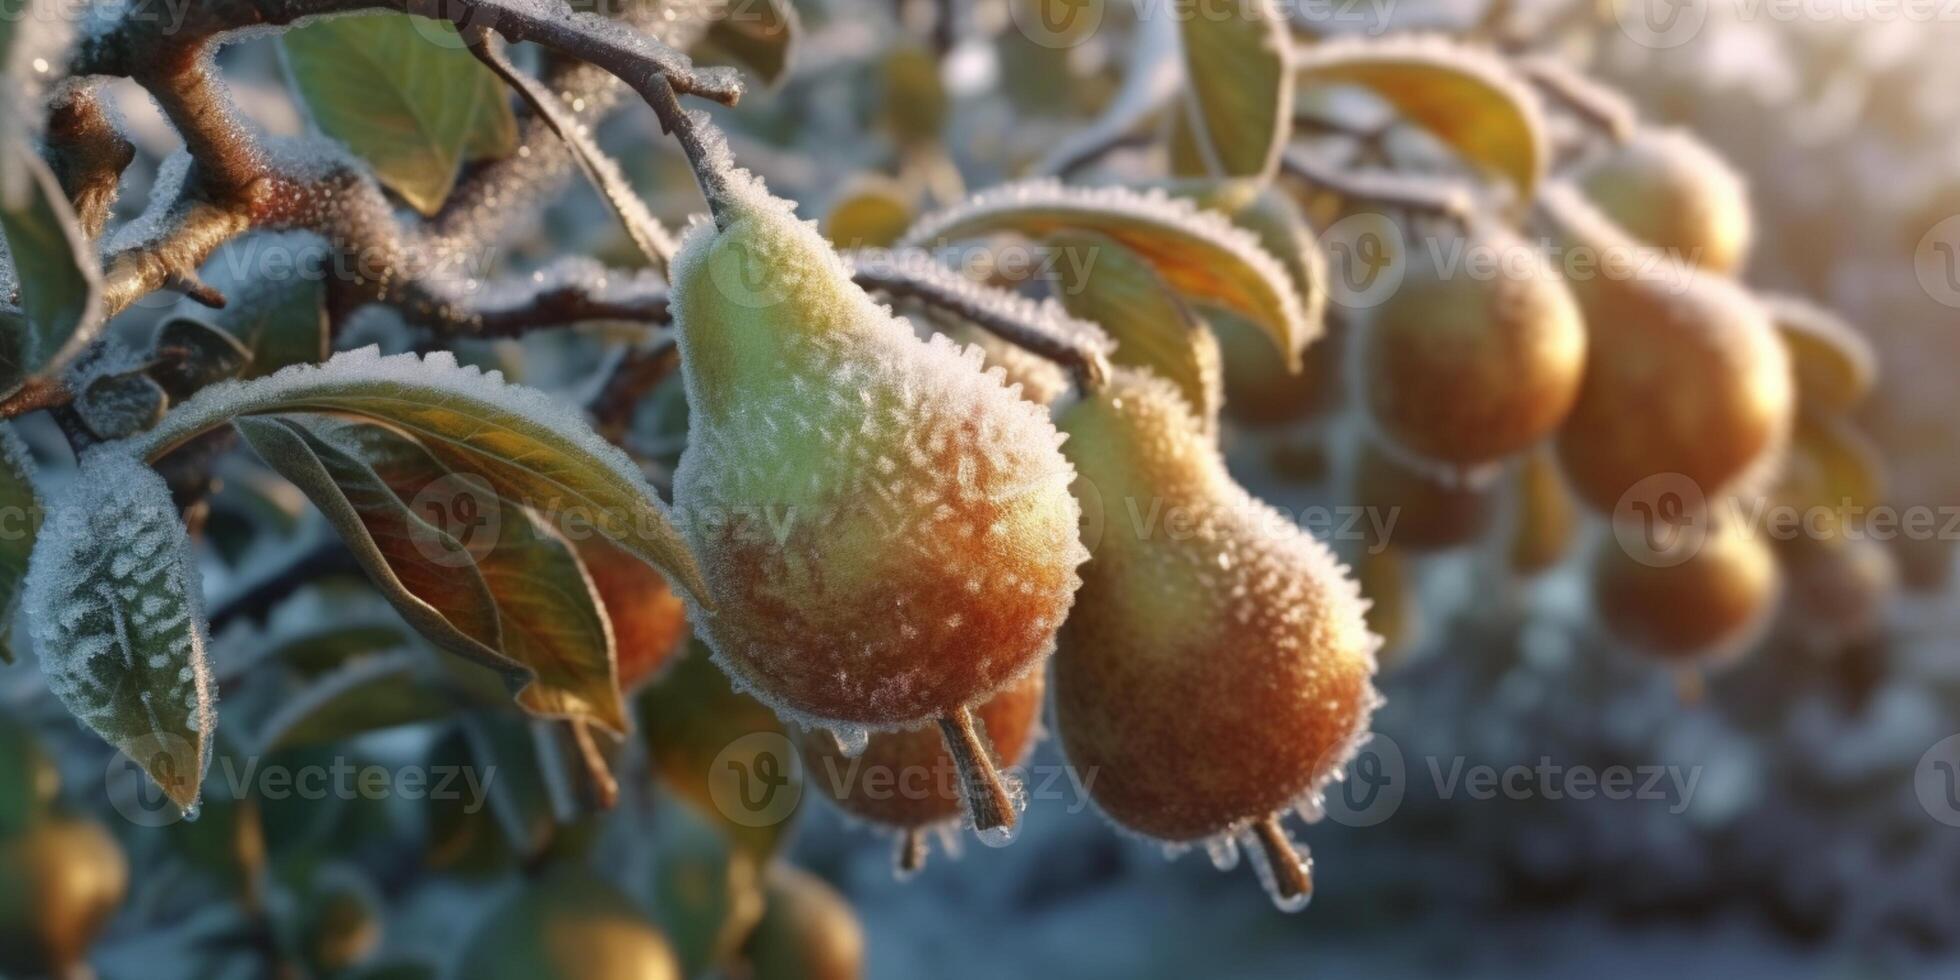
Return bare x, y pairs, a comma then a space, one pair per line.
114, 406
1832, 466
553, 621
370, 694
1112, 286
1203, 256
1240, 93
191, 353
528, 447
1470, 100
119, 620
1282, 230
403, 94
20, 521
279, 315
422, 571
759, 35
54, 268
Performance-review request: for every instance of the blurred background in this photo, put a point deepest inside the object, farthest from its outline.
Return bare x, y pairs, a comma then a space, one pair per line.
1791, 810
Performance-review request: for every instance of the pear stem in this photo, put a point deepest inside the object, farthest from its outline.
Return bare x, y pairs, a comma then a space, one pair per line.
911, 851
1289, 872
605, 787
710, 167
987, 799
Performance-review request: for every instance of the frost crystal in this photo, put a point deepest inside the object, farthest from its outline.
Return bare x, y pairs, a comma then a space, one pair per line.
118, 619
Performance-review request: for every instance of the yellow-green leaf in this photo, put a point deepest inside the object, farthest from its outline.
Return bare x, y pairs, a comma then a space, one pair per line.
1201, 254
54, 268
1834, 364
1282, 230
404, 94
1832, 466
1112, 286
527, 446
1465, 97
1240, 95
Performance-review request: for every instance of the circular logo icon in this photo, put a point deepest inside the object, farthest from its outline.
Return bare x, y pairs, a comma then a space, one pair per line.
1662, 520
1366, 260
442, 28
1936, 781
461, 519
1936, 262
1371, 786
1661, 23
1094, 514
744, 274
756, 781
1057, 23
135, 778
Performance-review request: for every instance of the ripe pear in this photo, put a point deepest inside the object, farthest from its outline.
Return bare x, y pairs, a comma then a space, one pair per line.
568, 925
807, 932
61, 880
885, 529
1218, 668
1708, 605
907, 780
1685, 374
1478, 353
1666, 188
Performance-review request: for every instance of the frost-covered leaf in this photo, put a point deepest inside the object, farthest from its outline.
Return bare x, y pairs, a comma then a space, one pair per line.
552, 621
759, 35
1240, 94
120, 404
1465, 97
527, 446
1153, 329
366, 695
53, 267
1831, 466
191, 354
118, 620
403, 94
1834, 364
424, 572
1199, 253
20, 521
1282, 230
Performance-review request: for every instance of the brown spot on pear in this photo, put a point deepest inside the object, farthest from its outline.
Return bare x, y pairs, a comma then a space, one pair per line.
1668, 189
1217, 668
1477, 355
1684, 372
885, 530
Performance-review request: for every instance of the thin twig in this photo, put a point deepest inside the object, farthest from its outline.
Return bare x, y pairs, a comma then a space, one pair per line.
1382, 189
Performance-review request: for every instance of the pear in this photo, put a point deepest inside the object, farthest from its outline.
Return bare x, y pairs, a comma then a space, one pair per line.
61, 880
885, 529
1477, 355
568, 925
1218, 668
807, 932
906, 780
1685, 374
1668, 189
1417, 510
1704, 599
